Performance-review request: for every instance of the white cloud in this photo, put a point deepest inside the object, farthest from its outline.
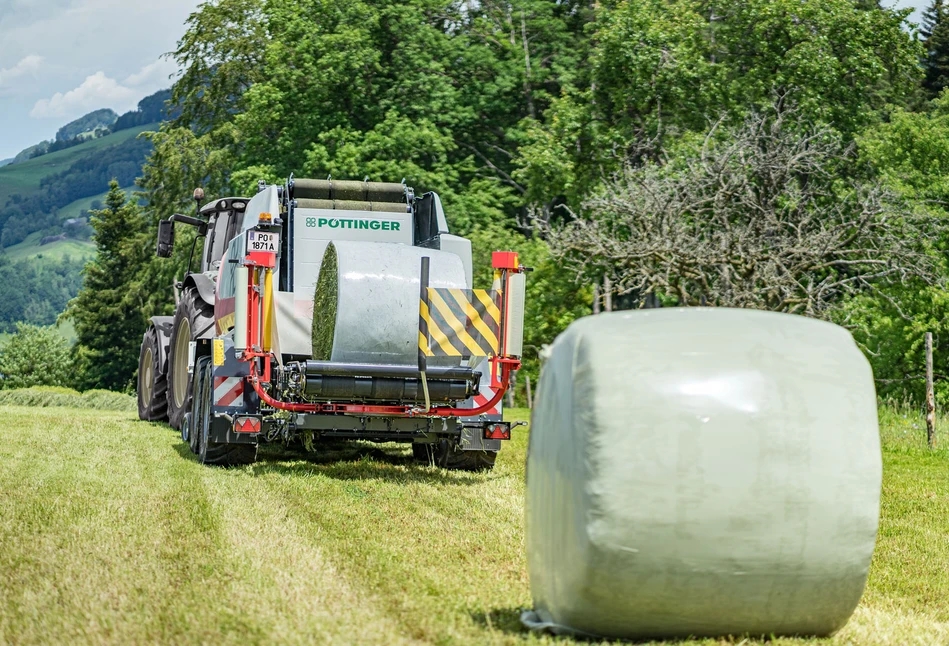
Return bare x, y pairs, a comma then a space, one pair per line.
101, 91
155, 75
28, 65
97, 91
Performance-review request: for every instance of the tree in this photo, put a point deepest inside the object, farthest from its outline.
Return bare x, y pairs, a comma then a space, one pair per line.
935, 32
108, 312
755, 216
661, 68
910, 151
36, 356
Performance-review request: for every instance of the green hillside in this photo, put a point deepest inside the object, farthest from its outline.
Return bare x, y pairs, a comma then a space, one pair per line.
24, 178
31, 248
37, 196
75, 209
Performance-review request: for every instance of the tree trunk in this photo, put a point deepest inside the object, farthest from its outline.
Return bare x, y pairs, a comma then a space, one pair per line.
930, 396
527, 69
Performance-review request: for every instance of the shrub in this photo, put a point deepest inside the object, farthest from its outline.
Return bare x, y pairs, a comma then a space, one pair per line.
36, 356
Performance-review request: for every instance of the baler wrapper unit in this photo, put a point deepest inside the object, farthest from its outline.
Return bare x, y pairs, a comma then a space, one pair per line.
337, 309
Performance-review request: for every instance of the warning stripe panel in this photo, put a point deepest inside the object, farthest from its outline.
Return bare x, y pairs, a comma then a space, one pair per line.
229, 391
459, 323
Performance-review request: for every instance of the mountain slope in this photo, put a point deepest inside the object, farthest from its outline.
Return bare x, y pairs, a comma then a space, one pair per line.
24, 178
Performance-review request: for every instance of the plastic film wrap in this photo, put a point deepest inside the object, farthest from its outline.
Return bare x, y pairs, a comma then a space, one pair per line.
366, 302
701, 473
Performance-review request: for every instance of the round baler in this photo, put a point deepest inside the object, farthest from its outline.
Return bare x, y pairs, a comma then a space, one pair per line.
306, 322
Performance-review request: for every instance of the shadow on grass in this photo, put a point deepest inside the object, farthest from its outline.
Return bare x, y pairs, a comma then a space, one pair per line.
506, 620
349, 461
357, 462
185, 451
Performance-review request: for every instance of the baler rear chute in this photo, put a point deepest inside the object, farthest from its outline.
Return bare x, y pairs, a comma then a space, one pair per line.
255, 380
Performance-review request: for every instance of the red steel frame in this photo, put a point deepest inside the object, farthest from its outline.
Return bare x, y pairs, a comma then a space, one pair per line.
501, 367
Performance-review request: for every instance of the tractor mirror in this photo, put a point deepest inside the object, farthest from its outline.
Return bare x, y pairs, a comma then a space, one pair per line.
166, 238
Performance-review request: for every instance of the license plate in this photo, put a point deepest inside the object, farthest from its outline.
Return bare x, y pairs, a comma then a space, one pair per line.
262, 241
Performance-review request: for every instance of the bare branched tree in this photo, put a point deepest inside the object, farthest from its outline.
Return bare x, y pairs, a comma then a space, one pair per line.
758, 216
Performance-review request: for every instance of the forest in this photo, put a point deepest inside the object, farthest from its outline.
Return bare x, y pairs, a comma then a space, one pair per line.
788, 155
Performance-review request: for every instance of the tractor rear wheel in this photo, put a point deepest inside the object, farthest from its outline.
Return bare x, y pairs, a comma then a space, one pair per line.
446, 454
193, 320
152, 381
214, 453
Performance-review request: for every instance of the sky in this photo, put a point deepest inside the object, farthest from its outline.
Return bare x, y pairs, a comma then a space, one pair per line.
60, 59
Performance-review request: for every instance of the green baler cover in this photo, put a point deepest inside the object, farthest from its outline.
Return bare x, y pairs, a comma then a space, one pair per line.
701, 472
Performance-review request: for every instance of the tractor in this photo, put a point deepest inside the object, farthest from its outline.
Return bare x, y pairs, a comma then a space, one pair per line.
328, 310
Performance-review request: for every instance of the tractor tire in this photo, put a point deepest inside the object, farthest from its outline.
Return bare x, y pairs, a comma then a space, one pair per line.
446, 454
196, 415
152, 382
193, 320
214, 453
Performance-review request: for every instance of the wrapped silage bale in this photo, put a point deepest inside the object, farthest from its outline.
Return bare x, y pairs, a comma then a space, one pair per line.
701, 472
366, 302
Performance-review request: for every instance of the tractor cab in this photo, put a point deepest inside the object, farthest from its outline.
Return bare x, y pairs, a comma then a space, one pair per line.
218, 222
224, 220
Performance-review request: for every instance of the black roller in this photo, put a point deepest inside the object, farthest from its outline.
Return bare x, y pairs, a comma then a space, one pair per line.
384, 389
331, 369
322, 189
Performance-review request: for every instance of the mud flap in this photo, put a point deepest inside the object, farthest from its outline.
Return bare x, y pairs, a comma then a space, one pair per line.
232, 395
472, 439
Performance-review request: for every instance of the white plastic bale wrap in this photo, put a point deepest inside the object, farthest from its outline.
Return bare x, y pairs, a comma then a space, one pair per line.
377, 300
701, 472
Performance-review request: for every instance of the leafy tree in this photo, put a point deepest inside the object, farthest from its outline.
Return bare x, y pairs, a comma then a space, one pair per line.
661, 68
755, 216
911, 151
108, 312
36, 356
935, 32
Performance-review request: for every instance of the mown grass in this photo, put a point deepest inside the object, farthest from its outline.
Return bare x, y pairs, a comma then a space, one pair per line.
112, 533
56, 396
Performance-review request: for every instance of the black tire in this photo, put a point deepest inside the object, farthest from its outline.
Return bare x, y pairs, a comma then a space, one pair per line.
214, 453
196, 416
194, 319
152, 380
447, 455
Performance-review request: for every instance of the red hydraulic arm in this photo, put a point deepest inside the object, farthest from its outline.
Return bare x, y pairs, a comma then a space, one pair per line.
259, 295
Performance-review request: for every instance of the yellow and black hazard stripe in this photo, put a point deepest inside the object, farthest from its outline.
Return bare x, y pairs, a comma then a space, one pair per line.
459, 323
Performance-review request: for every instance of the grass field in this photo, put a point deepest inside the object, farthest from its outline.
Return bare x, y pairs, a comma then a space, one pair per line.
24, 178
31, 248
75, 209
112, 533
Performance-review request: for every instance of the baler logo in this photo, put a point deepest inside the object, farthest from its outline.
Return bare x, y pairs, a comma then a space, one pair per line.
345, 223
